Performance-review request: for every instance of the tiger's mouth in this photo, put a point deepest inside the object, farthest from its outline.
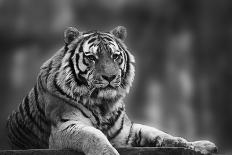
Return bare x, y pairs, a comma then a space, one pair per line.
106, 85
106, 90
101, 88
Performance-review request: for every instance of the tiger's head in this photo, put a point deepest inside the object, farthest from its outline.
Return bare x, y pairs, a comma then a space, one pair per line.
96, 65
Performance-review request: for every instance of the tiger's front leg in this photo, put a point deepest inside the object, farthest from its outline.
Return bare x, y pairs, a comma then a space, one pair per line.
145, 136
77, 136
71, 129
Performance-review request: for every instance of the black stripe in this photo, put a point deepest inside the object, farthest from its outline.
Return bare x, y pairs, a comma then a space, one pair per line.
40, 85
25, 132
58, 67
81, 47
71, 65
90, 73
91, 40
67, 84
16, 137
130, 133
64, 120
69, 126
108, 39
111, 122
83, 80
14, 143
22, 134
139, 137
96, 117
126, 56
126, 60
83, 61
21, 109
65, 48
124, 83
48, 71
107, 36
82, 42
120, 61
77, 62
41, 111
11, 134
27, 109
22, 126
90, 47
122, 73
76, 76
59, 89
119, 130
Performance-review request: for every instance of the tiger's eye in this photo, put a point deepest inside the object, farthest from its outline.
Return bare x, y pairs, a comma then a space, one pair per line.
115, 56
91, 57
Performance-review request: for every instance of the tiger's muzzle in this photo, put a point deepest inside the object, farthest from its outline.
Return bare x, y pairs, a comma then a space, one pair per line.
104, 81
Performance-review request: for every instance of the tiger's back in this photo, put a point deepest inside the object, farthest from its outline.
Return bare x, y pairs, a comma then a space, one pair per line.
28, 127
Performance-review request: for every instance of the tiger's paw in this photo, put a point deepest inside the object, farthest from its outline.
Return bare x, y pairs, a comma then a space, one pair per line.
205, 147
169, 141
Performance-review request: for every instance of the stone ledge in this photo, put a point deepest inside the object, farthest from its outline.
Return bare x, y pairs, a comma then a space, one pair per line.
122, 151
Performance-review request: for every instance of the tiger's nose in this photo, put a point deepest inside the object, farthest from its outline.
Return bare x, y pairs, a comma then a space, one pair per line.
109, 78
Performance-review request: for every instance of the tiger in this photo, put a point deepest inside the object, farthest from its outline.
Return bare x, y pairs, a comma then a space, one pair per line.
77, 101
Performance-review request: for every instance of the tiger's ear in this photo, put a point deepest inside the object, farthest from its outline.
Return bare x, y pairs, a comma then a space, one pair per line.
119, 32
70, 34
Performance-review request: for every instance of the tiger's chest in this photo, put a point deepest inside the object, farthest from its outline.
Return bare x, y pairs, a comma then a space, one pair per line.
110, 123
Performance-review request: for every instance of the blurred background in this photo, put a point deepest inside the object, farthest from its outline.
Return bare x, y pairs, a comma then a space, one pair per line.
182, 48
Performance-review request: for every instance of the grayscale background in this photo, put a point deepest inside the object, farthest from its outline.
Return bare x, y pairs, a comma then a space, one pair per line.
183, 82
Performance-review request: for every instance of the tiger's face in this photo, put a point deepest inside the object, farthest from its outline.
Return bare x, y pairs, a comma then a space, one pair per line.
104, 62
97, 64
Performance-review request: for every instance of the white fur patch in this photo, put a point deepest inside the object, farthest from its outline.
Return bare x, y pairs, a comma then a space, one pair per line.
107, 93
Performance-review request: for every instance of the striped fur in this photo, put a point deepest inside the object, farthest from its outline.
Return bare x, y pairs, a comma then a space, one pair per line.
77, 100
